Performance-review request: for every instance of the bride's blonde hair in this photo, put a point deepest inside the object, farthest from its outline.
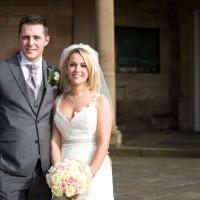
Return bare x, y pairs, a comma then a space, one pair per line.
93, 75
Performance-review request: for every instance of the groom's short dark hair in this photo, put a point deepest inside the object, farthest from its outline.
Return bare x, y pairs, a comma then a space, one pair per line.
33, 19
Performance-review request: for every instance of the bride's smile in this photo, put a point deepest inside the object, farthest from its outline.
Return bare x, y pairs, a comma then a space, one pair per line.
77, 70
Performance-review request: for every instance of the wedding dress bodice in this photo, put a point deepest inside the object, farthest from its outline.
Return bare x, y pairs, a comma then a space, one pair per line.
82, 126
79, 132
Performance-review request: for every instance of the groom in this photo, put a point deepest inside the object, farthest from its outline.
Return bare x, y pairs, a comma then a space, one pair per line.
26, 101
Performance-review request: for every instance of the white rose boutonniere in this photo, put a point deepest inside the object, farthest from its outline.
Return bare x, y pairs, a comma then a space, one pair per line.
53, 76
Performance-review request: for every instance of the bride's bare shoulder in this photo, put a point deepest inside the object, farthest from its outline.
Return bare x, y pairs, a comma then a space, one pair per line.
102, 101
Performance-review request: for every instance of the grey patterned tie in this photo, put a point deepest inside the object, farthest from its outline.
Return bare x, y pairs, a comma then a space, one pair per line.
32, 79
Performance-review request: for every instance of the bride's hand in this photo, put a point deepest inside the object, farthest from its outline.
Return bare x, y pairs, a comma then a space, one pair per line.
75, 197
92, 173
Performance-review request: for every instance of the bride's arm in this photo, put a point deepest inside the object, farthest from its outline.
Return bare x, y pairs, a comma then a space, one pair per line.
104, 126
55, 145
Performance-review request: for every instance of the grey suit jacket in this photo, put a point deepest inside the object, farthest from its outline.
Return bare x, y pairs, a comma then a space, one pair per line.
25, 131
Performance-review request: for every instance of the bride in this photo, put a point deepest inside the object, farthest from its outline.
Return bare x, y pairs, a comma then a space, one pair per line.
83, 119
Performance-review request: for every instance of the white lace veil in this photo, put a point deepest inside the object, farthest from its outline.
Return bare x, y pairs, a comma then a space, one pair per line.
101, 86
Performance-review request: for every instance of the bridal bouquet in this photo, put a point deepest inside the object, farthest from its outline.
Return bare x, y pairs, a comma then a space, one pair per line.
69, 178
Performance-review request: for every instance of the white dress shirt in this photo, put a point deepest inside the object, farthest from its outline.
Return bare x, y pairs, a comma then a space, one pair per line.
25, 70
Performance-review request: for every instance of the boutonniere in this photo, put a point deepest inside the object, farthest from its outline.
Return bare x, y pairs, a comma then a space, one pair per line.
53, 76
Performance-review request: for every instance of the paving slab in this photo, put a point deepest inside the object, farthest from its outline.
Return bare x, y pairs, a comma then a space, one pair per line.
166, 143
156, 178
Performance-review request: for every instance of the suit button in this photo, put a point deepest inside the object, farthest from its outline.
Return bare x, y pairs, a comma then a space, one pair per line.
36, 105
36, 141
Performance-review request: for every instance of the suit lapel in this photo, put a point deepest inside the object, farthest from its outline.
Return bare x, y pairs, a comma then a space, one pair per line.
19, 77
45, 75
46, 88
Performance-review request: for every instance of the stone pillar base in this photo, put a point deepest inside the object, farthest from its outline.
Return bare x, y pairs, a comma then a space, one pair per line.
116, 136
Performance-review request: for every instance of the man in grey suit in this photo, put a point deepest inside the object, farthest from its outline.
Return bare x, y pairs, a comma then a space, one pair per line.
26, 101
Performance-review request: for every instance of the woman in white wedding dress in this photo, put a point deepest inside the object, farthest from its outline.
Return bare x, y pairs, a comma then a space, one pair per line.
83, 119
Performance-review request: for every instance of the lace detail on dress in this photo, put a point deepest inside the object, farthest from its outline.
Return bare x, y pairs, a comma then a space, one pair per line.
75, 128
76, 112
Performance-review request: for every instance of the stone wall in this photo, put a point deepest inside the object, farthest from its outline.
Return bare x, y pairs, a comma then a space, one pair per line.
147, 100
187, 51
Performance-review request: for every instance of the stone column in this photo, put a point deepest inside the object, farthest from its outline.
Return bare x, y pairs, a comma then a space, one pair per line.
105, 46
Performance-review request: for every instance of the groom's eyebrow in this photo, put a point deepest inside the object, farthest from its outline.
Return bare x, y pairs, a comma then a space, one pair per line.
28, 36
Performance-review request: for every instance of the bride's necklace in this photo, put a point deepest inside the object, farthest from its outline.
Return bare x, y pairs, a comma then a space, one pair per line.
75, 97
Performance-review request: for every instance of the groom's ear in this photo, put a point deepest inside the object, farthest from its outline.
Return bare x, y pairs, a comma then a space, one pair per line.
47, 39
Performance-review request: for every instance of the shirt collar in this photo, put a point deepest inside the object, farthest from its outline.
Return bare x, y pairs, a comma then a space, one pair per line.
25, 61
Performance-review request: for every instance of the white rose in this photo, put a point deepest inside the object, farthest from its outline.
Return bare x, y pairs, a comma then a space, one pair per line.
56, 76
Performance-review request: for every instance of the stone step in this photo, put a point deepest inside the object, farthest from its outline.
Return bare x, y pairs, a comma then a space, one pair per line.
154, 152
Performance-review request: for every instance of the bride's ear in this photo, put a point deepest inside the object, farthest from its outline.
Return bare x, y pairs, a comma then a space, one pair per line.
65, 70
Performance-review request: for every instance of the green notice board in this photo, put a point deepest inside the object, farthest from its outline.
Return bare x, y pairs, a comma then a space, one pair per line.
137, 49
